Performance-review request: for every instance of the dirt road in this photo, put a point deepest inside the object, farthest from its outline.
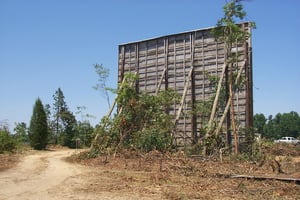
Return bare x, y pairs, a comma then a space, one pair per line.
40, 176
45, 175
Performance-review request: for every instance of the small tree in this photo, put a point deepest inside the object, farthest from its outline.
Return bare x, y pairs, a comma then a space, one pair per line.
84, 132
232, 35
64, 121
259, 123
68, 136
141, 123
38, 129
21, 132
7, 142
59, 107
103, 74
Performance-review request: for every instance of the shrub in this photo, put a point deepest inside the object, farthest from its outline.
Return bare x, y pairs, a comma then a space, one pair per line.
142, 122
7, 142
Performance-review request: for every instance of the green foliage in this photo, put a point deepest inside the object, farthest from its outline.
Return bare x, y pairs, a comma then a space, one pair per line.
259, 122
84, 131
52, 136
59, 107
286, 124
227, 30
142, 122
213, 144
64, 122
21, 133
7, 141
153, 139
103, 74
67, 137
38, 129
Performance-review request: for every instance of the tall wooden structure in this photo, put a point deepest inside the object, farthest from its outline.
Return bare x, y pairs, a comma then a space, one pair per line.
188, 62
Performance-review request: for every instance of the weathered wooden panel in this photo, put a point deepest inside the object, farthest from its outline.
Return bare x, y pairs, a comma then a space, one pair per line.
177, 54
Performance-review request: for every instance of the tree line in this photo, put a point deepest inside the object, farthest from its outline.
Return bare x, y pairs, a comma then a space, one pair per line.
54, 124
280, 125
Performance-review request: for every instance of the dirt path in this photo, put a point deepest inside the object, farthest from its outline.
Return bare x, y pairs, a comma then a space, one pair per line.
41, 176
46, 175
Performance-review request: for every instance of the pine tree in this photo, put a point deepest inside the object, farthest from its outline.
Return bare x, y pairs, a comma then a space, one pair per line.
59, 107
64, 121
38, 129
69, 132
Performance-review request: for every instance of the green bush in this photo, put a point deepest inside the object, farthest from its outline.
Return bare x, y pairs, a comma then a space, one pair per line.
142, 123
153, 139
7, 142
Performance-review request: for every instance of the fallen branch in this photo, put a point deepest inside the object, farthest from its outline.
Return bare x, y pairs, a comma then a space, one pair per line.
285, 179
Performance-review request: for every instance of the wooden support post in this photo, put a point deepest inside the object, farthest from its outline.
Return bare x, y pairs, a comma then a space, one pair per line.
163, 75
187, 82
160, 81
228, 102
184, 95
214, 108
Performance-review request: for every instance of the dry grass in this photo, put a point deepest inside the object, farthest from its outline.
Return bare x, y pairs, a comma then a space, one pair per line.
8, 161
174, 176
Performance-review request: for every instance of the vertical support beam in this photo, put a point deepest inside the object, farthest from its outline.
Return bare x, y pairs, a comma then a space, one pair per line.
137, 66
146, 67
193, 102
203, 116
174, 74
249, 100
166, 63
194, 116
163, 74
121, 64
186, 83
228, 117
129, 60
203, 70
249, 84
156, 65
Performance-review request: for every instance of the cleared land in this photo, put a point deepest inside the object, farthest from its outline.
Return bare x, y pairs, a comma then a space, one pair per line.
48, 175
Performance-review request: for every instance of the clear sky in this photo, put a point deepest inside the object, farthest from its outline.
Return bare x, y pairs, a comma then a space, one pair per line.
47, 44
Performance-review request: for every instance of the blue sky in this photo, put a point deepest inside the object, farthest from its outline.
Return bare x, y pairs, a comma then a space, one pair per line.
47, 44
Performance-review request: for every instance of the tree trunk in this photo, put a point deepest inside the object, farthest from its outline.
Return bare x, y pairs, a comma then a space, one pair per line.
232, 116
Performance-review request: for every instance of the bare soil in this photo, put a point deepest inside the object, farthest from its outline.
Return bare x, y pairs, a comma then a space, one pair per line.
47, 175
7, 161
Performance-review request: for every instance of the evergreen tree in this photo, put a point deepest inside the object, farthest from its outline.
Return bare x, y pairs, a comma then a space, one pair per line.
59, 107
51, 125
21, 132
64, 121
38, 129
259, 122
84, 131
69, 132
